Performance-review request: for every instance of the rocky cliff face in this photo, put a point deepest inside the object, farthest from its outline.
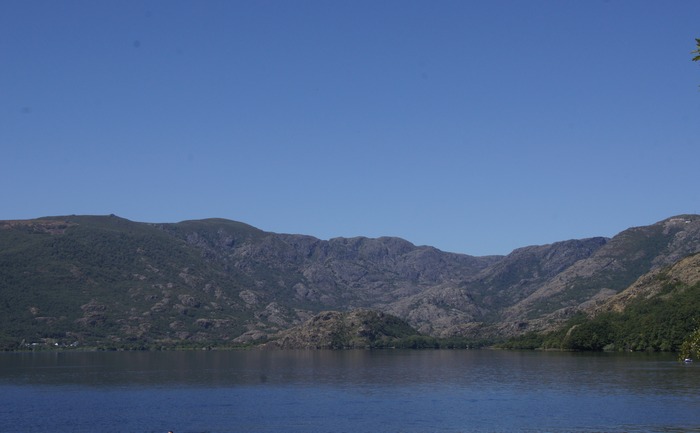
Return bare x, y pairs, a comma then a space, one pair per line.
470, 305
444, 294
111, 280
301, 274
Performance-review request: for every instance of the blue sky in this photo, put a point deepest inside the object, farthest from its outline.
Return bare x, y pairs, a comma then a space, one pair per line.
472, 126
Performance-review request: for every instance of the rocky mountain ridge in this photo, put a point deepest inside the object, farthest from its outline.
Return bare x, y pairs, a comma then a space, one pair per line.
107, 280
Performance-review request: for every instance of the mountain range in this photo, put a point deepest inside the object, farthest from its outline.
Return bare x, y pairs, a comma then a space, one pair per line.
107, 281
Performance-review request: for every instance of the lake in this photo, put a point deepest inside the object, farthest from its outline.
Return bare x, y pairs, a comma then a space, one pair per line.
347, 391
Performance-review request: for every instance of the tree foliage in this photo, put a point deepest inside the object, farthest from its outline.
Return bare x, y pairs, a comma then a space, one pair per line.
660, 324
696, 51
691, 346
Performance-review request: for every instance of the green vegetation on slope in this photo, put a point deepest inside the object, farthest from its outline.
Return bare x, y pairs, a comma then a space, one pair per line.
661, 323
631, 254
690, 349
103, 281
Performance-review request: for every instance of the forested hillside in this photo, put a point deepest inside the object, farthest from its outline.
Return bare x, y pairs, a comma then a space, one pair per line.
657, 313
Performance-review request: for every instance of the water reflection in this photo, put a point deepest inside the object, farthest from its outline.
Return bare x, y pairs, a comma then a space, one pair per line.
358, 391
605, 373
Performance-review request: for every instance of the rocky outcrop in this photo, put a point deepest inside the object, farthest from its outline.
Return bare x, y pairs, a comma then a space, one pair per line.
336, 330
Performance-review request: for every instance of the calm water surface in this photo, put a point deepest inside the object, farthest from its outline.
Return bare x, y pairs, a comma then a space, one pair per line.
347, 391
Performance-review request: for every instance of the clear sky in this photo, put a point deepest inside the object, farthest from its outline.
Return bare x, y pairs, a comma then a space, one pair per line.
472, 126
